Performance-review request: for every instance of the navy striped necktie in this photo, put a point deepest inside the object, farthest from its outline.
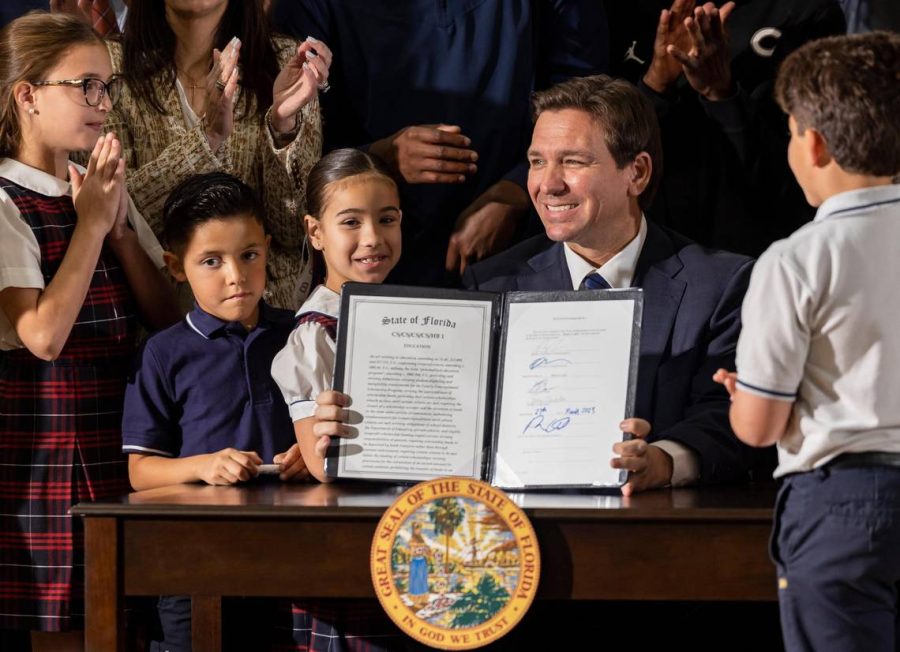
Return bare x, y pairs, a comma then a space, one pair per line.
595, 282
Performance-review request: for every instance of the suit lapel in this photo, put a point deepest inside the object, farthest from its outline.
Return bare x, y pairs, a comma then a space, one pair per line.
548, 271
657, 266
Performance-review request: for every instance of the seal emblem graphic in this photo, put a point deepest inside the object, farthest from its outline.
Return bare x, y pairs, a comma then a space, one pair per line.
455, 563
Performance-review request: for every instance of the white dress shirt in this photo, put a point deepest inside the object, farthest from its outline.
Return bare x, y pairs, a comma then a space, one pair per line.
619, 273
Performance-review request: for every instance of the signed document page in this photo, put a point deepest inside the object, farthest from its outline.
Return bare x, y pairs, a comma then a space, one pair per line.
568, 374
418, 371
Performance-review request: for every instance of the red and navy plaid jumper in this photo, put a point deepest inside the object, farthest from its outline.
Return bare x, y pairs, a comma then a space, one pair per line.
60, 433
340, 625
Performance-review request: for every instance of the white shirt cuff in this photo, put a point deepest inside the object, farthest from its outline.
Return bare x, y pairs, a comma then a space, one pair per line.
685, 465
302, 409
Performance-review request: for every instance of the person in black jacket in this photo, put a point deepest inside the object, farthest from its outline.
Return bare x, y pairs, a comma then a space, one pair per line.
726, 182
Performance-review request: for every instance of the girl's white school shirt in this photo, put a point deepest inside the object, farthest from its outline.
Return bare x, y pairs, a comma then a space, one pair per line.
305, 366
20, 254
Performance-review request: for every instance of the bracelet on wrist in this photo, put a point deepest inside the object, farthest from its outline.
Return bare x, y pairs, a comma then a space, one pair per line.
283, 135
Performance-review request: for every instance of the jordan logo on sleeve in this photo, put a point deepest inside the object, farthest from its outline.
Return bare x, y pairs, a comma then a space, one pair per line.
631, 56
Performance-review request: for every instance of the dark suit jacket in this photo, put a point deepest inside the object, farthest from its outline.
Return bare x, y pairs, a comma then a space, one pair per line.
690, 327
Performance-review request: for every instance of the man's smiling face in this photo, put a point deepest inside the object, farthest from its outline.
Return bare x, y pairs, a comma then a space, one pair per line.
576, 186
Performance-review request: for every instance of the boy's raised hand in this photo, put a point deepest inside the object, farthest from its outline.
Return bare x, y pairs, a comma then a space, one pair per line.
728, 379
330, 417
228, 466
293, 468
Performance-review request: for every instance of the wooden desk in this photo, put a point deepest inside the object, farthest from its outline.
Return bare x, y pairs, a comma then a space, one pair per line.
683, 544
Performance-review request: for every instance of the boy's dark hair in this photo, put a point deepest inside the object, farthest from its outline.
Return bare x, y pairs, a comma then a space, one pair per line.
338, 165
203, 198
848, 89
627, 117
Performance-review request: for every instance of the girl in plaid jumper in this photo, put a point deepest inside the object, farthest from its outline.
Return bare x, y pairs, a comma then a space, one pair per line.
77, 266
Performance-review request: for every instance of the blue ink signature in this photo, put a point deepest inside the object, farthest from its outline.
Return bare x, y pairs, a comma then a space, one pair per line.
544, 361
537, 423
540, 387
584, 410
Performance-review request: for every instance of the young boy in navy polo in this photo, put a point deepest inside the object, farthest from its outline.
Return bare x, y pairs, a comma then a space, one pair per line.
818, 361
202, 405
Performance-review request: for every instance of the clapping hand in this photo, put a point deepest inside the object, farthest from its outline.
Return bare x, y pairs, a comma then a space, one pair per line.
98, 193
665, 69
692, 41
706, 63
299, 82
221, 86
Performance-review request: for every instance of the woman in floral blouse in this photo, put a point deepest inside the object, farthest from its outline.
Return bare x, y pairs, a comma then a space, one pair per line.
209, 88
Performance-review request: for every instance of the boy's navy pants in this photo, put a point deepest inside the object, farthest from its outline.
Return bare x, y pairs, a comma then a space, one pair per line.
836, 543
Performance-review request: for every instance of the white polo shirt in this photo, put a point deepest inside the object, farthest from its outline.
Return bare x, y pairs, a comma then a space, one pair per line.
821, 328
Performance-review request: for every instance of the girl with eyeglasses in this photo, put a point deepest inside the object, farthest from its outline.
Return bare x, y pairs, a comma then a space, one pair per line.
78, 266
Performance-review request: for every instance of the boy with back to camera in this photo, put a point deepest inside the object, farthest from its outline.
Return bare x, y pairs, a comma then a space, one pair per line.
818, 357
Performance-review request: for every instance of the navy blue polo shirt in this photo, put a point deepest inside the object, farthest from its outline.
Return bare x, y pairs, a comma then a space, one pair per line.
205, 384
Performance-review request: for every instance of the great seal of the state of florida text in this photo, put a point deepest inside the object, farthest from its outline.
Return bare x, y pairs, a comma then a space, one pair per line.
455, 563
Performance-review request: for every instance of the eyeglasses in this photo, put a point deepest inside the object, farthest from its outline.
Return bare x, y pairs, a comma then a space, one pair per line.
94, 89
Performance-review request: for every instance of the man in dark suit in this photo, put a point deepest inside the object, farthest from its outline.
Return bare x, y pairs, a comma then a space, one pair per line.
594, 163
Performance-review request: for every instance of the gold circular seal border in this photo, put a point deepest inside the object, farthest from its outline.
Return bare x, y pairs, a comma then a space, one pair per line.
382, 577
